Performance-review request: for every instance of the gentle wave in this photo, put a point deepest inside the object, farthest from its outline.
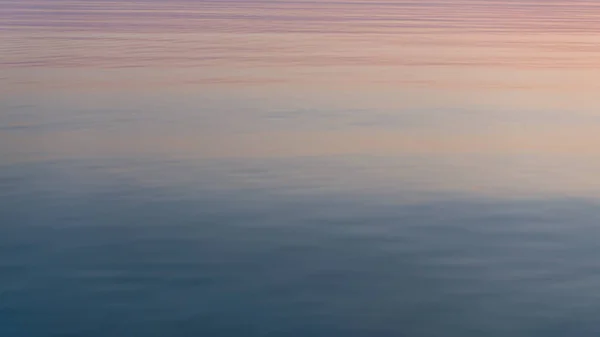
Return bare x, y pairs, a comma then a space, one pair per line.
300, 33
311, 16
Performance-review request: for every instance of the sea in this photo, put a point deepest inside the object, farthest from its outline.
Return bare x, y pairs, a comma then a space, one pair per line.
296, 168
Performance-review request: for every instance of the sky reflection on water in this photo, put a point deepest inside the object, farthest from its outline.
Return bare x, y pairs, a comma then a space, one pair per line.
299, 168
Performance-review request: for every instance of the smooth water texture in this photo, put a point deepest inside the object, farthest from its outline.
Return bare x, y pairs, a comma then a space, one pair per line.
299, 168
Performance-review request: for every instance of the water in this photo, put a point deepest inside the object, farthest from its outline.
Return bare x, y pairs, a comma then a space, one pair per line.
292, 168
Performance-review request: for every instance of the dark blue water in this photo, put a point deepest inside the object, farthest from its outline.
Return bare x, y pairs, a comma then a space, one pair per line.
148, 247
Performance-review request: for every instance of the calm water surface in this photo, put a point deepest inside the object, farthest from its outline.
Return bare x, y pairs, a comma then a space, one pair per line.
298, 168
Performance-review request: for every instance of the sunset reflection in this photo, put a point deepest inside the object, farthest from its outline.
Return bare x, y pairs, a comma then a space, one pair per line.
295, 168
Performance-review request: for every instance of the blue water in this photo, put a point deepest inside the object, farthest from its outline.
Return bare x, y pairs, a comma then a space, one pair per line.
114, 247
